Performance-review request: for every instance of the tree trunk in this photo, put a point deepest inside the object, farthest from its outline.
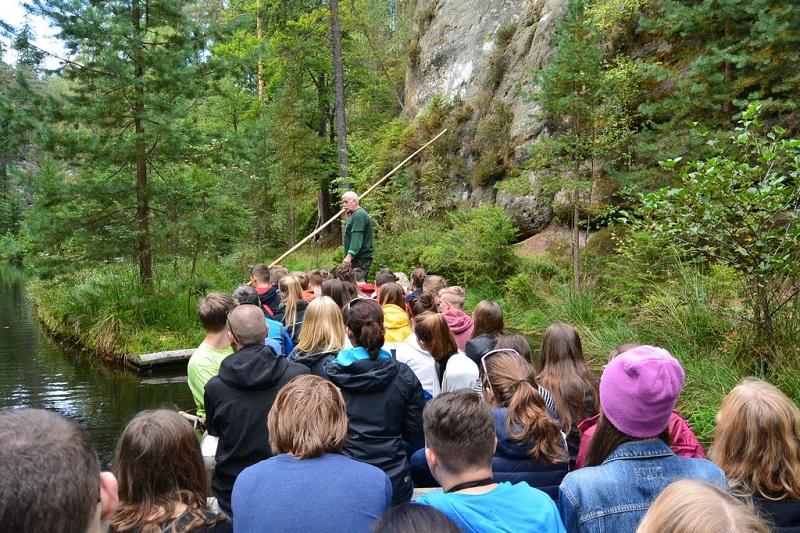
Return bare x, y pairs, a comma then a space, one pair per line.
324, 196
260, 40
142, 199
339, 103
576, 243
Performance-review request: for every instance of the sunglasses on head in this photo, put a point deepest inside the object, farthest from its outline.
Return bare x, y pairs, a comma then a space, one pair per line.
490, 353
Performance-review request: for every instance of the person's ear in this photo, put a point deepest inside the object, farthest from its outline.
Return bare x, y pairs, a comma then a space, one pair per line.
488, 395
495, 445
433, 460
109, 495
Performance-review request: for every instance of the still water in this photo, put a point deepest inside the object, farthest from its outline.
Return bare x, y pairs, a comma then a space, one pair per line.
37, 372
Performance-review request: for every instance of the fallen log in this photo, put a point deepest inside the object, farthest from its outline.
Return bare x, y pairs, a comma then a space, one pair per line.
159, 359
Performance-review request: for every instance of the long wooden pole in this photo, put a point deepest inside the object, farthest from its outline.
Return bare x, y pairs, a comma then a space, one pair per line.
365, 193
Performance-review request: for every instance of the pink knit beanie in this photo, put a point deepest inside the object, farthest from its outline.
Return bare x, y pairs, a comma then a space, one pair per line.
638, 390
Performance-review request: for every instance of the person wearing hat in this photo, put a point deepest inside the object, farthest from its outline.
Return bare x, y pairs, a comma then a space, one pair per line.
629, 462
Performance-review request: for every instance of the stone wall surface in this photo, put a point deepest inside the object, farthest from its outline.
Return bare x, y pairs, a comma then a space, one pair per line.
459, 45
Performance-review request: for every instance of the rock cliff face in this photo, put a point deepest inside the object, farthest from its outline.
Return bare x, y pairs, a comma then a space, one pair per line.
481, 53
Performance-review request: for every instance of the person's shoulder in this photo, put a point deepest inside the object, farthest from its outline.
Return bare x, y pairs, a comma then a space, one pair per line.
523, 491
433, 498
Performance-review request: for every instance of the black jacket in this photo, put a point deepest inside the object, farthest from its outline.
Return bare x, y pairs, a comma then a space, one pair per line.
237, 403
314, 361
384, 403
783, 516
478, 347
513, 463
293, 329
272, 299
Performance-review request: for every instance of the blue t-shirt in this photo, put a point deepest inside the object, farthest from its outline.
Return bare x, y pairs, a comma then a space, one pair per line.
506, 508
328, 493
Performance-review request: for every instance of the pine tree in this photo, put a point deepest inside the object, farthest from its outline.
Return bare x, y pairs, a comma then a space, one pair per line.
134, 74
571, 96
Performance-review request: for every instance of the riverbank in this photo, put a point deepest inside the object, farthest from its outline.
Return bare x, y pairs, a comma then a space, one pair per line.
40, 373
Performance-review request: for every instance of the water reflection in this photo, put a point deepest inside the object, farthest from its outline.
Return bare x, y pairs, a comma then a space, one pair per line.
36, 372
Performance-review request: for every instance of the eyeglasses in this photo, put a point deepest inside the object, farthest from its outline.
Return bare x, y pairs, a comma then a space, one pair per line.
228, 322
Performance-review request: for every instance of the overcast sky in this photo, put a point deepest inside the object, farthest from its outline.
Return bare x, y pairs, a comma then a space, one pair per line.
13, 13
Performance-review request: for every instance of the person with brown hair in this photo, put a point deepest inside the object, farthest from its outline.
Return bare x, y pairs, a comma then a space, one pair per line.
564, 373
239, 398
308, 486
530, 444
413, 518
454, 370
488, 320
323, 336
460, 443
292, 310
335, 289
162, 478
261, 278
384, 398
415, 356
520, 344
629, 461
416, 281
205, 360
757, 445
51, 479
689, 506
452, 302
682, 439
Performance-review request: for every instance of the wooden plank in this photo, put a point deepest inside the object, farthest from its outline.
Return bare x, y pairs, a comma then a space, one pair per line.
150, 360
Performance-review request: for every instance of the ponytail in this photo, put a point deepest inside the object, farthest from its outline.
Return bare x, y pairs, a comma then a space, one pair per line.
512, 382
528, 421
365, 320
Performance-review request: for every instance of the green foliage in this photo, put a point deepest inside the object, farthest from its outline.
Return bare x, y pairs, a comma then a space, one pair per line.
476, 250
738, 208
492, 147
108, 311
472, 248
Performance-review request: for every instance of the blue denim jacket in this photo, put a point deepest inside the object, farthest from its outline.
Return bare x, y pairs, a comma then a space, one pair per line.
614, 496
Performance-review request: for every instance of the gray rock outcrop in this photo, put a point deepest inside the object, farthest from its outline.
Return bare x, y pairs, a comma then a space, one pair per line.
483, 52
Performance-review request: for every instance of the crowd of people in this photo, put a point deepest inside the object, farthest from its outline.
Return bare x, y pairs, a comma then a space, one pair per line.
337, 402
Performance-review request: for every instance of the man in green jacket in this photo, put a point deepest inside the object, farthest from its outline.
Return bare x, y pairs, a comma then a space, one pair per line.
357, 234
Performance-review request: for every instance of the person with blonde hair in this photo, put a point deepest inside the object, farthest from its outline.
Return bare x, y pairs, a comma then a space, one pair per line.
530, 444
757, 445
308, 486
689, 506
451, 300
293, 307
391, 296
162, 478
322, 337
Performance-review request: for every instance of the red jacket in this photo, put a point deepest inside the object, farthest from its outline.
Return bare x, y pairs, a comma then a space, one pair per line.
684, 441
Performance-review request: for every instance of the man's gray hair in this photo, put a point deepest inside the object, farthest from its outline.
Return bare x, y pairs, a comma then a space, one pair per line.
350, 195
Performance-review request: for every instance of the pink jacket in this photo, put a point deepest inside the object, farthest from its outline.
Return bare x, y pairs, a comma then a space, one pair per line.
462, 326
684, 441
